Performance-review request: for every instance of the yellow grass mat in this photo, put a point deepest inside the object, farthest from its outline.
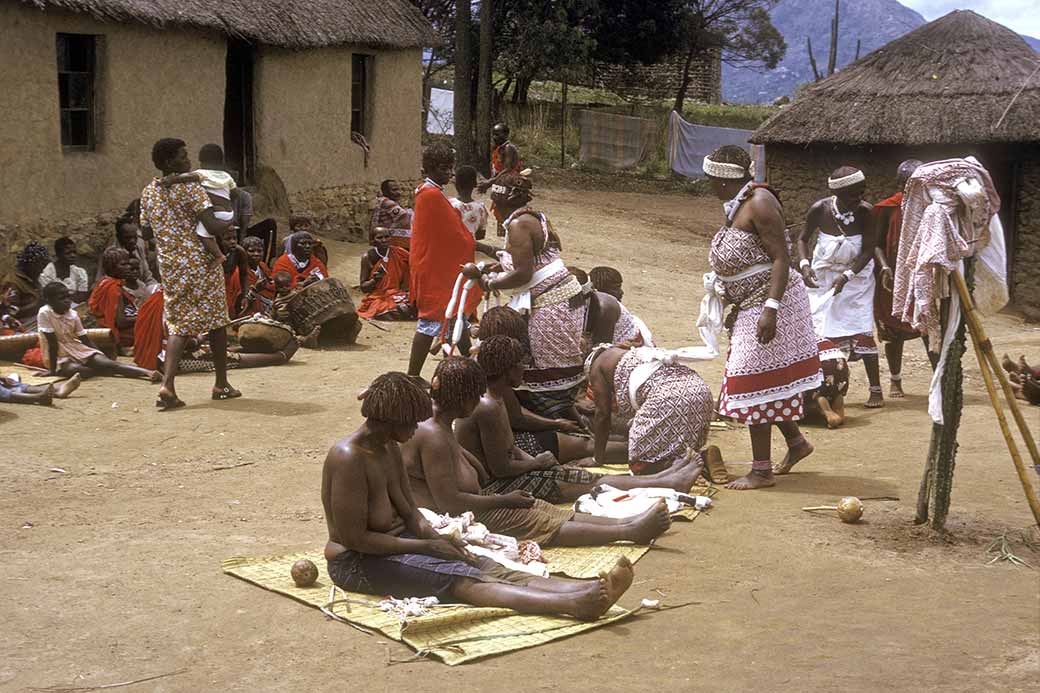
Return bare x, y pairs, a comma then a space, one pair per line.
454, 634
28, 376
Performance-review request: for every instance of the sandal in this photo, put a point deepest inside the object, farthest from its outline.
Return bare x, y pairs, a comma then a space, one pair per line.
225, 393
714, 467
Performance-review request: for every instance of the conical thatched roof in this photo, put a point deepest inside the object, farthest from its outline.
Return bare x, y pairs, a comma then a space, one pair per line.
946, 82
287, 23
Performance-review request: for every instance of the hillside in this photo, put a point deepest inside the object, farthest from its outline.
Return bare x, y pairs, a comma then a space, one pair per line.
874, 22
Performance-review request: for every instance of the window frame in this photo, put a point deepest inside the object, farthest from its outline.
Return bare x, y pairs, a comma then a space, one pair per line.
92, 108
365, 84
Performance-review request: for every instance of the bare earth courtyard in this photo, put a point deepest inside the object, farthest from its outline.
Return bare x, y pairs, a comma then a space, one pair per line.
118, 577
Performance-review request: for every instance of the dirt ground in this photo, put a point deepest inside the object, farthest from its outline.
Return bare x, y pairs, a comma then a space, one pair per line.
118, 576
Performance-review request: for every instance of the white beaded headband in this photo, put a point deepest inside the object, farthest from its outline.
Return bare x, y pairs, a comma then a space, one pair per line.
718, 169
846, 181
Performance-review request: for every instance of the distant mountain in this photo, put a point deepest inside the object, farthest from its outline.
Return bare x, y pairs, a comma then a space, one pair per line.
874, 22
1035, 43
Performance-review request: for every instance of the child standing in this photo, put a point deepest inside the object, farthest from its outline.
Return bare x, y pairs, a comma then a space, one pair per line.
474, 213
66, 348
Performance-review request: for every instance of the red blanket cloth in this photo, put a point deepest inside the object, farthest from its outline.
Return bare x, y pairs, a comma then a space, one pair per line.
441, 244
889, 327
388, 295
284, 264
104, 303
149, 332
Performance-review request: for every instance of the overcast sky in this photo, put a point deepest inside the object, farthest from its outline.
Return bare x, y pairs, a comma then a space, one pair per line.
1020, 15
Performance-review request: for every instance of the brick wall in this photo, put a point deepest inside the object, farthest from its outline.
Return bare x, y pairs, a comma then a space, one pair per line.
661, 80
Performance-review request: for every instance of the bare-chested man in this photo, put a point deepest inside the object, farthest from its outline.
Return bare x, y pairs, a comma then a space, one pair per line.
446, 478
380, 544
839, 275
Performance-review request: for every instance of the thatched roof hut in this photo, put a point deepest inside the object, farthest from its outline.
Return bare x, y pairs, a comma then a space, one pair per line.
286, 23
959, 85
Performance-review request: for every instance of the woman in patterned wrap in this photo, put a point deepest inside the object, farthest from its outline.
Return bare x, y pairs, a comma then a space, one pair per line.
194, 291
773, 357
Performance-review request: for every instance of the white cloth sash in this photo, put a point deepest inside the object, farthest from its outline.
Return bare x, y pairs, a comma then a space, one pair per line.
653, 358
521, 300
709, 322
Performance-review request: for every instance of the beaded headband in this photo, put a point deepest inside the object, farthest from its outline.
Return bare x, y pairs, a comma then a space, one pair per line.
846, 181
718, 169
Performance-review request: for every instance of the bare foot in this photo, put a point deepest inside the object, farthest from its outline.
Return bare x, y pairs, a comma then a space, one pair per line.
1008, 365
795, 453
833, 418
895, 389
753, 479
68, 387
682, 475
46, 397
155, 377
311, 340
593, 603
876, 399
653, 523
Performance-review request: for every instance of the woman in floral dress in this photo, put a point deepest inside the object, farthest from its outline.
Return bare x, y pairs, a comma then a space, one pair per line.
196, 301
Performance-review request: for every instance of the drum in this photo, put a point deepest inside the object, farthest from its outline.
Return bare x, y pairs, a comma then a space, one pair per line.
13, 346
264, 336
328, 305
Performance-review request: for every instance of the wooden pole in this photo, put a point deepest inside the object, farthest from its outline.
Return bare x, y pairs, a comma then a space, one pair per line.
983, 352
563, 124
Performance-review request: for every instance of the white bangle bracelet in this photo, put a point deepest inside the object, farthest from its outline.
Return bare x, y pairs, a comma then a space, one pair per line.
848, 274
772, 303
803, 264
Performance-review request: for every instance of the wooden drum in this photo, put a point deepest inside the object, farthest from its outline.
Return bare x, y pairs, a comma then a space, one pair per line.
328, 305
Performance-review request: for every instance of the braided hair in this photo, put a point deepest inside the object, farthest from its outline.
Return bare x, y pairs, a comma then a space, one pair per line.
499, 354
31, 260
732, 154
503, 320
395, 398
457, 380
605, 277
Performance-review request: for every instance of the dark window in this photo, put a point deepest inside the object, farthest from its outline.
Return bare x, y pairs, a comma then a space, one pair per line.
361, 66
77, 72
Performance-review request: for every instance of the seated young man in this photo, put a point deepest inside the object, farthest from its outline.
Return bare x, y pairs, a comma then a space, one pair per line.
384, 281
63, 269
65, 346
670, 407
446, 478
112, 303
380, 544
259, 295
301, 263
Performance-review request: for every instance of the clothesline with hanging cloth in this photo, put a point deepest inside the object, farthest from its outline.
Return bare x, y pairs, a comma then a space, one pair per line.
689, 143
614, 140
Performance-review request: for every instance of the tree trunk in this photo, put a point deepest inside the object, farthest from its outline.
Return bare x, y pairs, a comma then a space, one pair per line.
684, 83
484, 90
463, 96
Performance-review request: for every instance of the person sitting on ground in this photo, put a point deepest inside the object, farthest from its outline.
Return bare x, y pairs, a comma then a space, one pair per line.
150, 345
14, 392
301, 263
380, 544
486, 434
391, 216
502, 359
839, 275
628, 328
112, 304
21, 286
608, 280
65, 346
236, 273
9, 324
284, 293
266, 229
221, 189
473, 212
670, 407
128, 237
260, 294
384, 281
446, 478
65, 271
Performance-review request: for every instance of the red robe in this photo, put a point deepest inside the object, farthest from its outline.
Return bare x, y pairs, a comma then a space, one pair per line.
104, 304
284, 264
889, 327
232, 290
149, 331
388, 295
441, 244
257, 306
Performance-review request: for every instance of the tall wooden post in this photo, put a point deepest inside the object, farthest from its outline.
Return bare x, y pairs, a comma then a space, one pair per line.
563, 124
